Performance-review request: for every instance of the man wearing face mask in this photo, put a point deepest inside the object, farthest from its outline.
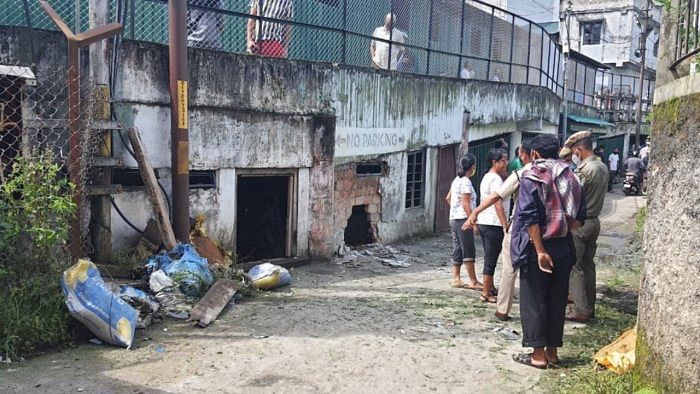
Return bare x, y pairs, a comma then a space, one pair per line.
594, 175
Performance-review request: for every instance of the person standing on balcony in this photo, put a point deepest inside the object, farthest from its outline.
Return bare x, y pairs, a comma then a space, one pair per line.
270, 38
379, 48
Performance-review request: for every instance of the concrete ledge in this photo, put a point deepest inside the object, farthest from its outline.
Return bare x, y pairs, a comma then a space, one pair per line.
680, 87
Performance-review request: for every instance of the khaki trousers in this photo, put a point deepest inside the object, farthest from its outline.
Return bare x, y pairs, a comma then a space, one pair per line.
504, 301
582, 281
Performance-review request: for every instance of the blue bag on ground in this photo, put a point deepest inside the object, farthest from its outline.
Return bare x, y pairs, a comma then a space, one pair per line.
186, 267
94, 305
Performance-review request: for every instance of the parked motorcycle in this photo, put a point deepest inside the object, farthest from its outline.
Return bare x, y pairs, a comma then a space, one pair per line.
633, 184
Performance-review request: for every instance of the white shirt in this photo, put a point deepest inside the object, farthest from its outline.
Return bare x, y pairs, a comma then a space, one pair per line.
644, 152
381, 48
459, 187
466, 73
491, 183
613, 159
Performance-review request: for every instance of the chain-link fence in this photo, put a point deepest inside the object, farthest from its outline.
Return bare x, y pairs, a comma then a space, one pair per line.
45, 165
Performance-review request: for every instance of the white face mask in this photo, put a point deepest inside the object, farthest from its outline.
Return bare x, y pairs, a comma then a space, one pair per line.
576, 159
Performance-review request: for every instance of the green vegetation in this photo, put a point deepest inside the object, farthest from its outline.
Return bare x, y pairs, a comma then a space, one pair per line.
640, 220
36, 206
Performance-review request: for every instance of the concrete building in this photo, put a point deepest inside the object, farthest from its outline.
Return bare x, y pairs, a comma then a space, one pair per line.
610, 31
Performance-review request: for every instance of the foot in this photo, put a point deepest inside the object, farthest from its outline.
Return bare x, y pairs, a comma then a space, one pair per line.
457, 283
526, 359
502, 316
494, 292
474, 286
552, 357
488, 298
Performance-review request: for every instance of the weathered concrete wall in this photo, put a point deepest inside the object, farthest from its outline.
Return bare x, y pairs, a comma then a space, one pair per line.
669, 325
251, 112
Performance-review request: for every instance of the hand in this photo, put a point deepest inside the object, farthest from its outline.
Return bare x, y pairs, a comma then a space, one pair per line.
471, 222
545, 262
252, 46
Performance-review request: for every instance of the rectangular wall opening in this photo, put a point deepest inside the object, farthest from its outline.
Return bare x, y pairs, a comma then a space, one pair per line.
262, 217
359, 229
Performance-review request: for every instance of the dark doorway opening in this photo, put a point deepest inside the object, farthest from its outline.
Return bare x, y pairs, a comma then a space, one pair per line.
262, 212
359, 229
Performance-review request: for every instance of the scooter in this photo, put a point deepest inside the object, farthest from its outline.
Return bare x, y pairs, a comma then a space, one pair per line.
632, 184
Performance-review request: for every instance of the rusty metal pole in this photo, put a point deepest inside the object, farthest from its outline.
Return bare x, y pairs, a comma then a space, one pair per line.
75, 156
75, 42
179, 137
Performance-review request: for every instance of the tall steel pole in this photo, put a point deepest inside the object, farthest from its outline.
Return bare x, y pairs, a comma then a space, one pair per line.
179, 136
643, 53
567, 14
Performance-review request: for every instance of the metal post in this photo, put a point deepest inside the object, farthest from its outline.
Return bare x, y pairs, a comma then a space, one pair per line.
75, 42
512, 38
461, 39
565, 121
179, 137
643, 51
101, 218
430, 36
345, 31
488, 64
391, 32
529, 43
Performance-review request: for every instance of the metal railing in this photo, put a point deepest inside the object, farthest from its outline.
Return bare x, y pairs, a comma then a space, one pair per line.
686, 17
451, 38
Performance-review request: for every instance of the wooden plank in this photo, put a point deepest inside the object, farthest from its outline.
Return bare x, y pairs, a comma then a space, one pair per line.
154, 193
211, 305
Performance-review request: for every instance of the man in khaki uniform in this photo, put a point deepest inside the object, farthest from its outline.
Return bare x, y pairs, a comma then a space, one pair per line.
593, 175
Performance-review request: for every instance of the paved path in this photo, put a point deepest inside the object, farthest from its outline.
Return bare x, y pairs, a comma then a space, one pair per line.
351, 328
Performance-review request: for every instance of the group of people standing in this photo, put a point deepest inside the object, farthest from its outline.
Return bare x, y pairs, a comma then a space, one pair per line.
548, 235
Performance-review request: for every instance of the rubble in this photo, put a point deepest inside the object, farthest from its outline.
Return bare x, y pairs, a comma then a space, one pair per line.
387, 255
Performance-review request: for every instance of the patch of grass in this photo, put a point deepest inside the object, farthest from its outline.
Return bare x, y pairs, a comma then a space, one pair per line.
640, 220
33, 316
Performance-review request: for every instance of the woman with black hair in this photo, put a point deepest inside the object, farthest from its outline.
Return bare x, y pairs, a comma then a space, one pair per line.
462, 201
492, 220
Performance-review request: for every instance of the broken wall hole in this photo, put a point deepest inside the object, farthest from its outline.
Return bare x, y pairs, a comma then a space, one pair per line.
359, 230
262, 216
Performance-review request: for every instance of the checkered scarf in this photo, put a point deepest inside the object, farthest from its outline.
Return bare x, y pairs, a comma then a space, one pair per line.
560, 192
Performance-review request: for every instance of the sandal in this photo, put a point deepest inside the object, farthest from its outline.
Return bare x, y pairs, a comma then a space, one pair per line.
526, 359
490, 299
494, 292
477, 287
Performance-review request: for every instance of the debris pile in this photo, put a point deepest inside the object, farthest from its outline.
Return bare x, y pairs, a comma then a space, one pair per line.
386, 255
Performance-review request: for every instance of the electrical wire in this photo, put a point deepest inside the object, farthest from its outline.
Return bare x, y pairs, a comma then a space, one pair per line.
119, 211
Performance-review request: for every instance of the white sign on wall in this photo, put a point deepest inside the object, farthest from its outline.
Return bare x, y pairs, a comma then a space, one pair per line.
355, 141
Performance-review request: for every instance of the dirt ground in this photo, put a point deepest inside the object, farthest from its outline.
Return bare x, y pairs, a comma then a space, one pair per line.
340, 327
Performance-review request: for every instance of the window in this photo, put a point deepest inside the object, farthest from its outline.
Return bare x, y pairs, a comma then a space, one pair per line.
591, 32
415, 179
205, 179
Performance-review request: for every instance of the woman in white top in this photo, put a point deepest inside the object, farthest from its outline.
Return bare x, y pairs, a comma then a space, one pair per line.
492, 220
462, 201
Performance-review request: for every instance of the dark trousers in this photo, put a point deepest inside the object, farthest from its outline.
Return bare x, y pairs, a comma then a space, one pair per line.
543, 302
492, 238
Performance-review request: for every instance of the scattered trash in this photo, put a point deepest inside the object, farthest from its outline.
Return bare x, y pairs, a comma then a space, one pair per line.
185, 267
165, 329
173, 301
93, 304
619, 356
160, 349
268, 276
395, 263
387, 255
159, 281
95, 341
180, 315
143, 302
261, 336
507, 332
211, 305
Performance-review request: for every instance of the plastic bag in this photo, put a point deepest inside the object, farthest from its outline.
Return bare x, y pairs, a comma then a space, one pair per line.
93, 304
142, 302
268, 276
186, 267
619, 356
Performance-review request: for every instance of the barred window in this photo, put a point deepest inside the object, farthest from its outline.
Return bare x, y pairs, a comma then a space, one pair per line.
415, 179
591, 32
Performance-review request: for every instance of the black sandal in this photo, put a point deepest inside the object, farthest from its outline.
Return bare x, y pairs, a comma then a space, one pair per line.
526, 359
490, 299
